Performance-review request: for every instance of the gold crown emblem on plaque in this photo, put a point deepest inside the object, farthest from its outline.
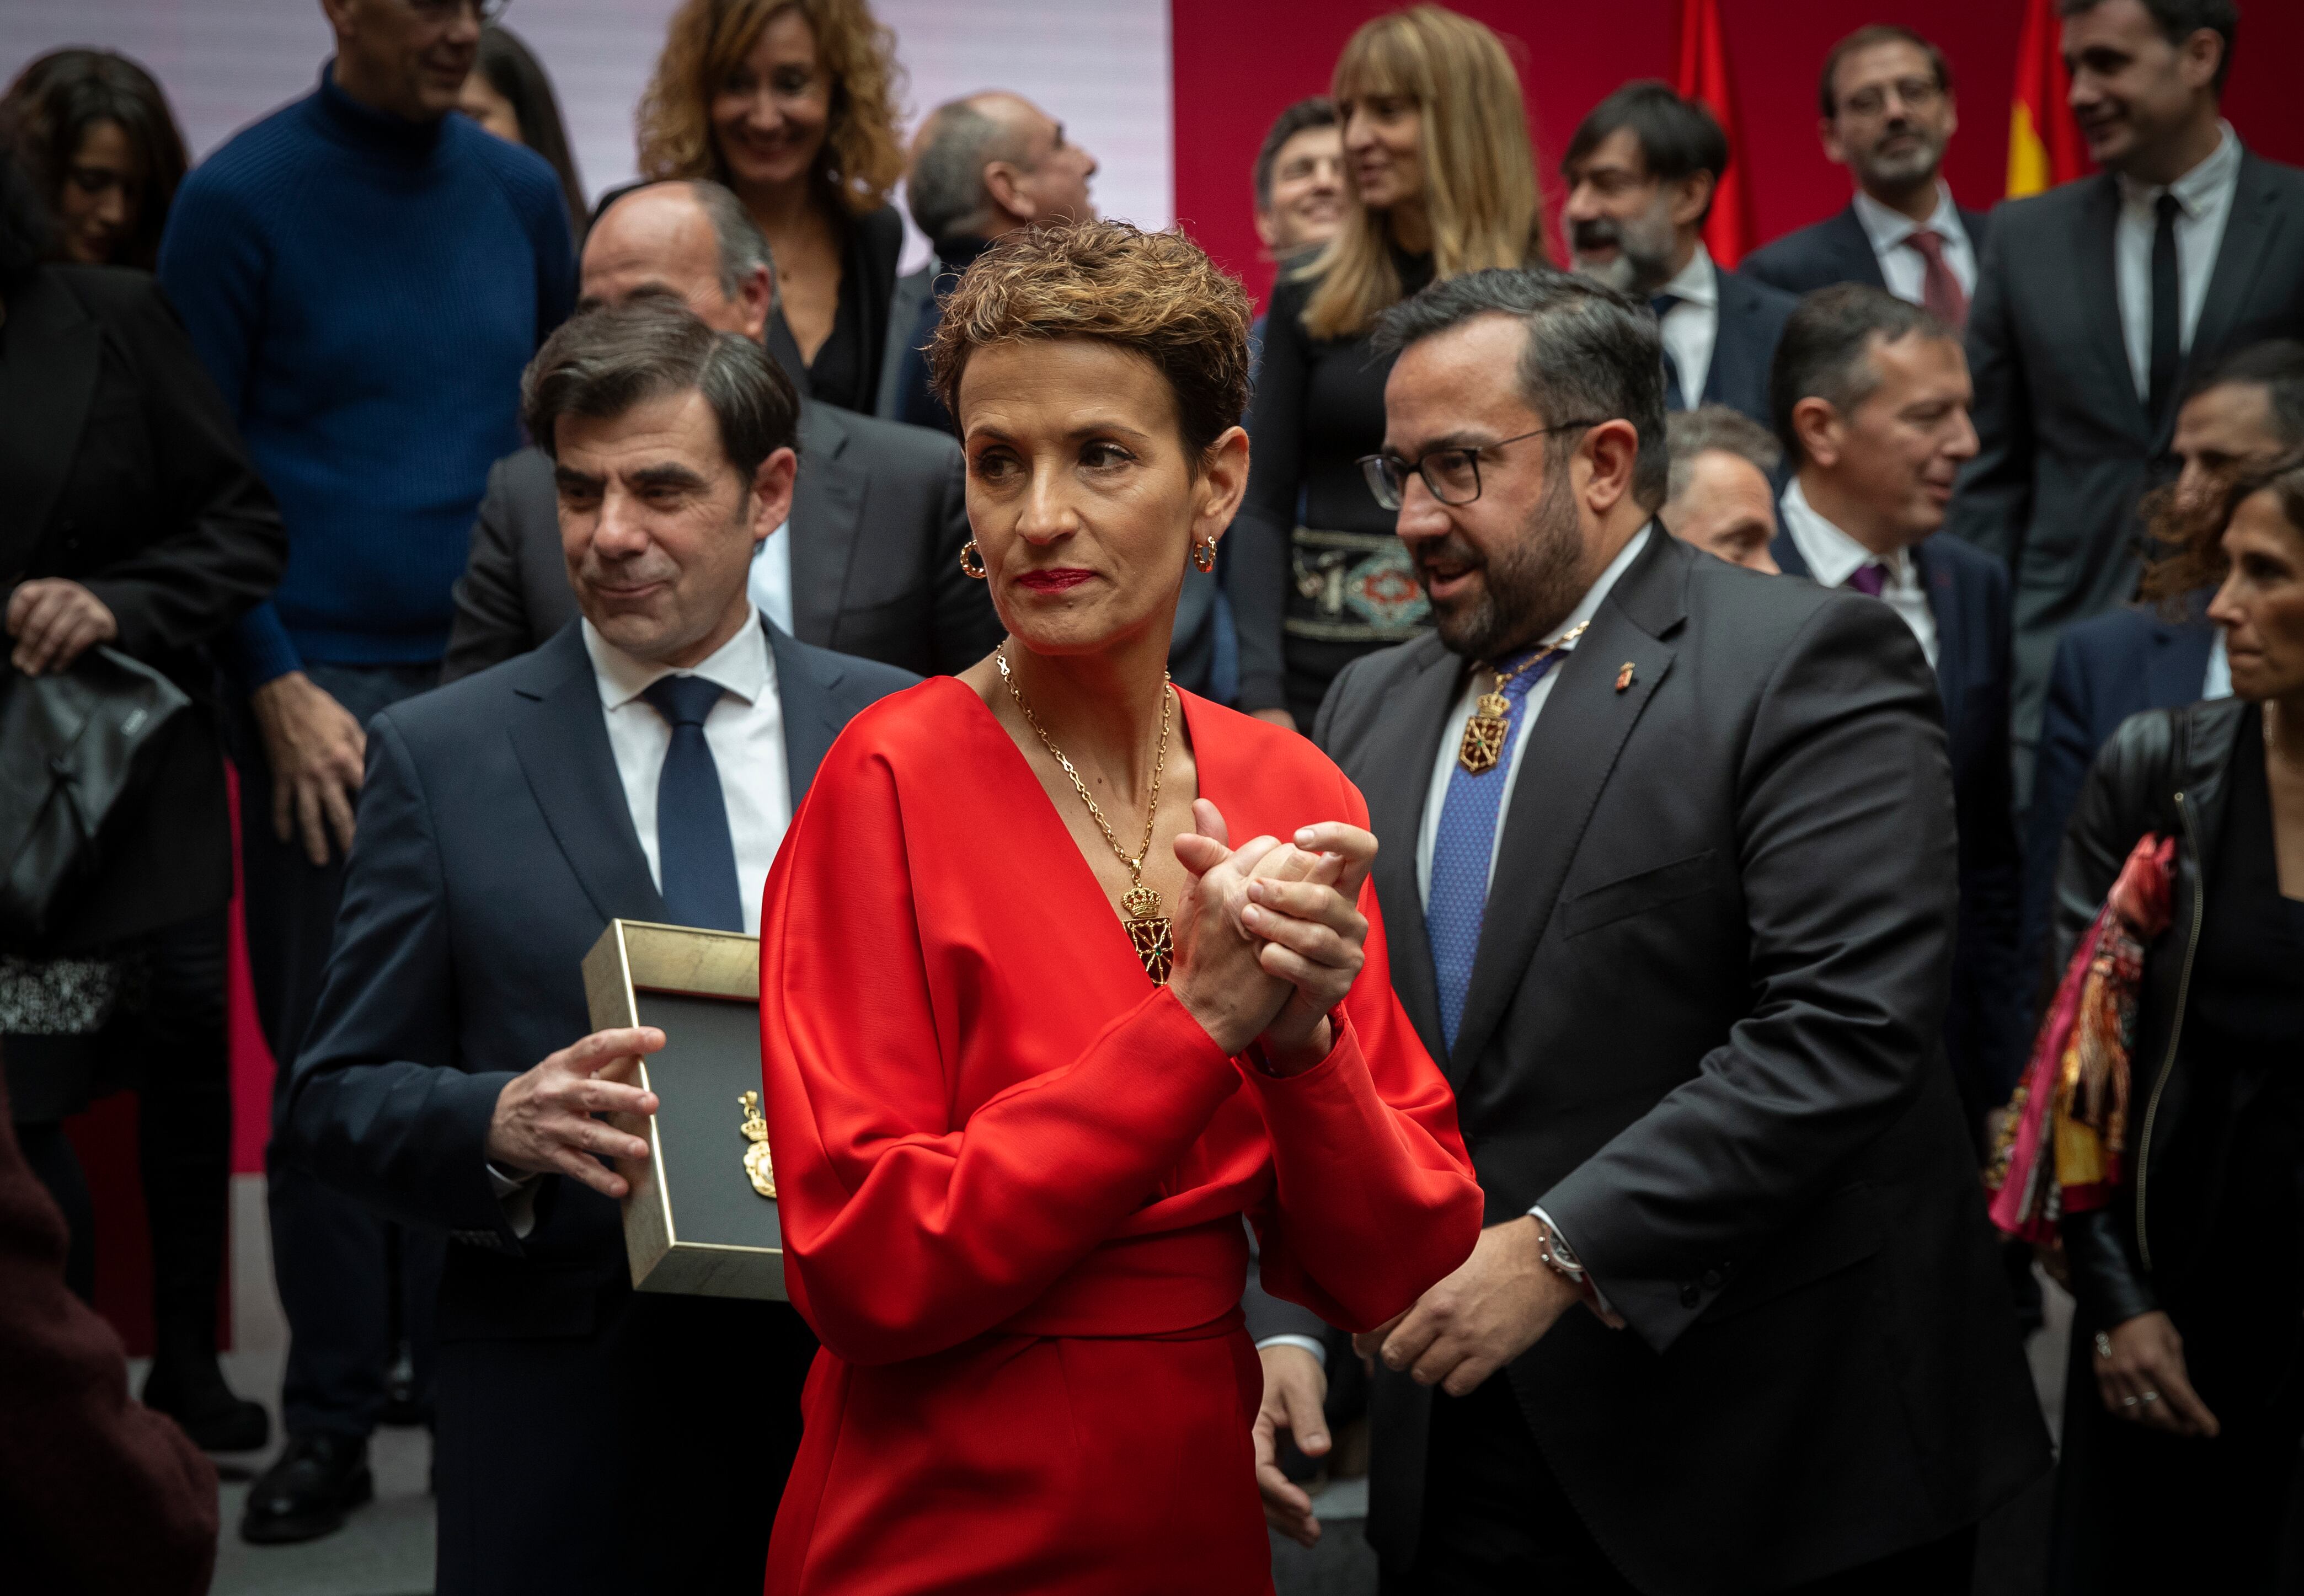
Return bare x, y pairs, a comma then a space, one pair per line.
757, 1165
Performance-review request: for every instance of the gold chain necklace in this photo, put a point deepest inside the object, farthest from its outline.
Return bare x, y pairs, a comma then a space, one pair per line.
1484, 733
1150, 932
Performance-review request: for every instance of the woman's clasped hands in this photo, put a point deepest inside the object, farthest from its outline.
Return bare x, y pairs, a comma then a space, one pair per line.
1269, 937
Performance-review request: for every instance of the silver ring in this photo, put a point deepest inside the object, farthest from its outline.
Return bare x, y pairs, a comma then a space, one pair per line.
2151, 1396
2127, 1402
2104, 1345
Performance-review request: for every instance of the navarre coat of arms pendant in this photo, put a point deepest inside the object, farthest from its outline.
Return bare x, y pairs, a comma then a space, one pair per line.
757, 1165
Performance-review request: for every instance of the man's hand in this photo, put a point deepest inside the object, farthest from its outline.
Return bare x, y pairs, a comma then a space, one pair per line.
317, 753
53, 622
2144, 1379
1497, 1304
542, 1119
1295, 1386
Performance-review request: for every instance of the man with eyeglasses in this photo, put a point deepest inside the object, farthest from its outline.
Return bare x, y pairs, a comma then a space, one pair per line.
364, 275
1668, 878
1887, 114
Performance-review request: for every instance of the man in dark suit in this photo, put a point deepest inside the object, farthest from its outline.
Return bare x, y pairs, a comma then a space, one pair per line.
1641, 172
2099, 299
869, 563
1887, 115
2246, 412
642, 765
1693, 1029
1872, 398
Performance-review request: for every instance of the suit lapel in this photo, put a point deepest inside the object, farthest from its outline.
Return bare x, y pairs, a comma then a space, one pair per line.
51, 353
561, 736
1729, 354
827, 516
1571, 749
1938, 581
811, 715
1858, 263
1786, 552
2249, 232
2097, 289
2176, 667
1395, 788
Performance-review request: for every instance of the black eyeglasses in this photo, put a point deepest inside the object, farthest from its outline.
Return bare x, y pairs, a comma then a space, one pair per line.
487, 12
1454, 475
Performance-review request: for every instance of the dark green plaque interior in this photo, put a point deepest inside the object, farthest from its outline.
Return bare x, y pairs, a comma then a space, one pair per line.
711, 1058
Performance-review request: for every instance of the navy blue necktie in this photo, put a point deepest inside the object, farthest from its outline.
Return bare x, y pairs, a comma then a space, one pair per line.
1462, 850
1674, 397
695, 853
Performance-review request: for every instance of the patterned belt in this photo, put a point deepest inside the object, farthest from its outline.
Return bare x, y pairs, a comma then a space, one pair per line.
1354, 588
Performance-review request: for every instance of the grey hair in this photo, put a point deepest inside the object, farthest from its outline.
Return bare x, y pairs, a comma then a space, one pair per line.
1709, 427
602, 362
743, 246
945, 186
1592, 354
1824, 350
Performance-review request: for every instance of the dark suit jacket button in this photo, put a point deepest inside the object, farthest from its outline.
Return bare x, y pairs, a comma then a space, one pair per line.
1690, 1297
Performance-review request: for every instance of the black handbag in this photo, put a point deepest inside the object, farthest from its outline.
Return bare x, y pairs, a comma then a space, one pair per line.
72, 757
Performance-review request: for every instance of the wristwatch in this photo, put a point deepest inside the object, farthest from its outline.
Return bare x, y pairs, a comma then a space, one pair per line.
1561, 1258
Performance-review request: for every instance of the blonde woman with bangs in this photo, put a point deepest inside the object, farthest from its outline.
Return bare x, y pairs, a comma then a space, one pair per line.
792, 105
1440, 180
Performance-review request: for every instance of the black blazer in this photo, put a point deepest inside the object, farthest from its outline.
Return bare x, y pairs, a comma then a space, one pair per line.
2117, 664
879, 517
2067, 446
121, 469
1752, 317
1837, 250
1702, 1032
1987, 1024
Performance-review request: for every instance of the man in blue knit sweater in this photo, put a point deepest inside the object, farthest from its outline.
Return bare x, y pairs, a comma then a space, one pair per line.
365, 275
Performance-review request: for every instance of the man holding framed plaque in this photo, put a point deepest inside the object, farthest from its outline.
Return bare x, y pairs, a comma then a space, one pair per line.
641, 765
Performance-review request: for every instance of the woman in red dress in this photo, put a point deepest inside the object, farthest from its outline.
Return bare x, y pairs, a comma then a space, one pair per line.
1035, 1038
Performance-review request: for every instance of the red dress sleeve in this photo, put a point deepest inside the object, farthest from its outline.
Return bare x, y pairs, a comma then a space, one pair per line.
1373, 1198
905, 1234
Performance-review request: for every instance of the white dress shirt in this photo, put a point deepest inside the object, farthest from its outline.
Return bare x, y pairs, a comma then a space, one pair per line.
2204, 196
1832, 557
745, 732
1436, 796
770, 583
1691, 328
2218, 684
1903, 267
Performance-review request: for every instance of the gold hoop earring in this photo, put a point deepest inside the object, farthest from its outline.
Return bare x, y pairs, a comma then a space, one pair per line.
1204, 554
971, 560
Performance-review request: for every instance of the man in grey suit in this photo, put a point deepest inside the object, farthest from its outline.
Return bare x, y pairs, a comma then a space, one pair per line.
1669, 880
869, 562
2100, 301
642, 765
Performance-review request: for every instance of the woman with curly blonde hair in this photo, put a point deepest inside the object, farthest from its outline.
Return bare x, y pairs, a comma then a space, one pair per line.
791, 104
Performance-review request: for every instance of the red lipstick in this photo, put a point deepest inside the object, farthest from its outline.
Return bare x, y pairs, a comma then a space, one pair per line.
1054, 580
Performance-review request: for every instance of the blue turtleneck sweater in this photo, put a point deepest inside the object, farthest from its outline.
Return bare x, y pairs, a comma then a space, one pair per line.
366, 291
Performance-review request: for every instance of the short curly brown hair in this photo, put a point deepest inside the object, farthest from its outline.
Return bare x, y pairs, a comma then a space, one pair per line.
709, 39
1155, 294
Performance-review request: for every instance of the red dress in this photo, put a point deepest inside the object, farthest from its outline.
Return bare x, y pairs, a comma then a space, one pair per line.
1011, 1174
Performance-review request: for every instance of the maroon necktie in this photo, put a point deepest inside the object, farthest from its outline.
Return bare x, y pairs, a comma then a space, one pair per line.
1869, 579
1941, 294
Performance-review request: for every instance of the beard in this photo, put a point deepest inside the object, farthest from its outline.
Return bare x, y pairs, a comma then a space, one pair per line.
1642, 262
1907, 168
1525, 590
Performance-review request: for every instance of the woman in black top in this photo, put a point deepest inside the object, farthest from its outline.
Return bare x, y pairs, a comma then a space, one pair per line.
788, 102
2186, 1403
97, 138
129, 520
1443, 180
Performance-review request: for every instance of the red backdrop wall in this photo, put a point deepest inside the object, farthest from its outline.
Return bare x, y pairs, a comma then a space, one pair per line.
1236, 66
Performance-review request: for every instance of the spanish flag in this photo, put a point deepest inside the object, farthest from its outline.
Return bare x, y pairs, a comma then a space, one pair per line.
1700, 73
2044, 142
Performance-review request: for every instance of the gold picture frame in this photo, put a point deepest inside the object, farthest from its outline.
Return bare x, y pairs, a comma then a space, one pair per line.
694, 1225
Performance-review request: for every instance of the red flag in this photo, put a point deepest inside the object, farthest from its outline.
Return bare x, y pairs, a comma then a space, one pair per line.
1700, 72
2044, 146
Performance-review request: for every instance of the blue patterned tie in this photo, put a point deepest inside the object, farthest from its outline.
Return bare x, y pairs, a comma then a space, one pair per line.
1674, 399
695, 854
1463, 848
